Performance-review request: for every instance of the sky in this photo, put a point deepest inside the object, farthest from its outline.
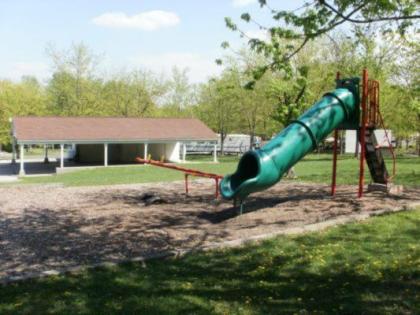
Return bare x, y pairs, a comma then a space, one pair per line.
149, 34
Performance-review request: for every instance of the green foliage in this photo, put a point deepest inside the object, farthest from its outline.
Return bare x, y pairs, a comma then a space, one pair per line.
290, 31
256, 93
218, 103
19, 99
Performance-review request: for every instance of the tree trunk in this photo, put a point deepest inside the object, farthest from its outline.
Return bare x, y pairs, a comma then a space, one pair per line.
418, 144
251, 140
222, 143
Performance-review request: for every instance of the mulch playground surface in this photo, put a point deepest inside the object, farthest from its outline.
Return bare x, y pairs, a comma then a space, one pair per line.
50, 227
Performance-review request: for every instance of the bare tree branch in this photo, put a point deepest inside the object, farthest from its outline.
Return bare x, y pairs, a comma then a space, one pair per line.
381, 19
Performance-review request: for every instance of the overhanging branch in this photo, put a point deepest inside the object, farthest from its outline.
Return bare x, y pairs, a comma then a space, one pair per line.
365, 21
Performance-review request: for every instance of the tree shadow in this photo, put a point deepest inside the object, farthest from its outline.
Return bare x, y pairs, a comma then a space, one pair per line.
266, 279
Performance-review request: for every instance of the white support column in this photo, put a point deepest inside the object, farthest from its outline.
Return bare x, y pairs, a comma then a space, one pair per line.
13, 151
105, 154
215, 153
184, 152
22, 160
61, 156
46, 154
145, 151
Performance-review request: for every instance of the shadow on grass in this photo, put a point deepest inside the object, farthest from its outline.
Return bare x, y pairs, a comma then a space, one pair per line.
281, 276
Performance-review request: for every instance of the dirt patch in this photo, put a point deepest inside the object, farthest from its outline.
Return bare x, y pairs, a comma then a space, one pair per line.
53, 227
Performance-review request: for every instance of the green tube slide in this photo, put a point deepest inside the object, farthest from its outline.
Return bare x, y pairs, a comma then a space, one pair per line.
259, 169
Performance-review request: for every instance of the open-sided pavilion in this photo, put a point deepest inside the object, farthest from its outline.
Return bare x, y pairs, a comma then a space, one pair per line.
110, 140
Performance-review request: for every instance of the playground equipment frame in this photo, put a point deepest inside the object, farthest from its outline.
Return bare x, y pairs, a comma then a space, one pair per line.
370, 118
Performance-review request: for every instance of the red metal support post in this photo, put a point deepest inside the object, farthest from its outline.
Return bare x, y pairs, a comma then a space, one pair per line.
334, 170
186, 183
362, 133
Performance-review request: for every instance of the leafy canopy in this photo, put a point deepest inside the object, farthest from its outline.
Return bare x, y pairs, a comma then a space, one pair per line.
292, 30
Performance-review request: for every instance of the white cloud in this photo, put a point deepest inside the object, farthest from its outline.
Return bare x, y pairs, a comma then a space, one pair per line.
258, 34
242, 3
15, 71
146, 21
199, 67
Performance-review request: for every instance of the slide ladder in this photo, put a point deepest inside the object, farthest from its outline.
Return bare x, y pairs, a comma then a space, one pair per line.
374, 158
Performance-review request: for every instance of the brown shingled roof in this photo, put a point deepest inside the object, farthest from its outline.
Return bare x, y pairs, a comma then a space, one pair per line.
109, 129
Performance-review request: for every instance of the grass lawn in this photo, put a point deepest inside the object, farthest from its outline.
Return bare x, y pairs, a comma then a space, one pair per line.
314, 168
362, 268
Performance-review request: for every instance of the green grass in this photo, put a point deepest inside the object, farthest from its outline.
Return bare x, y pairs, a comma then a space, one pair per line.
314, 168
361, 268
318, 168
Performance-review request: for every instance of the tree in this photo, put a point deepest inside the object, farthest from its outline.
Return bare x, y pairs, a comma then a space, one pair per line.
73, 89
133, 94
218, 105
19, 99
293, 30
179, 95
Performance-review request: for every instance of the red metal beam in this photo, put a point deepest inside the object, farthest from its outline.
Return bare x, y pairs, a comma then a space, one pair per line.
187, 173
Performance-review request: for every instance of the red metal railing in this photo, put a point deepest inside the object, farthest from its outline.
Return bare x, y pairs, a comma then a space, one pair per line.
373, 104
187, 172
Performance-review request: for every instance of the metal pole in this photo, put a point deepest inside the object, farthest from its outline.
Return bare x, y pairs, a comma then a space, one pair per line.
22, 160
334, 170
184, 152
14, 151
186, 183
145, 151
362, 133
105, 154
215, 153
46, 153
61, 155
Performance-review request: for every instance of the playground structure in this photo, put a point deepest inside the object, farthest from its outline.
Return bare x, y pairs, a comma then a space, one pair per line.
351, 106
344, 108
371, 119
187, 172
